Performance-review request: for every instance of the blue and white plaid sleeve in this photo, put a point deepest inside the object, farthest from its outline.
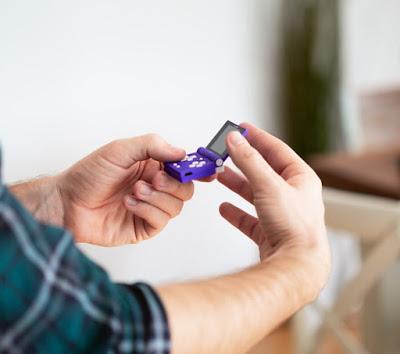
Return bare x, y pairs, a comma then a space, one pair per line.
53, 299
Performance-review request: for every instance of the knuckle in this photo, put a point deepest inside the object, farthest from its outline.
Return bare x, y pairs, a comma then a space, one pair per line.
153, 138
178, 209
114, 146
244, 222
315, 180
190, 192
163, 222
111, 152
136, 187
249, 153
318, 183
242, 187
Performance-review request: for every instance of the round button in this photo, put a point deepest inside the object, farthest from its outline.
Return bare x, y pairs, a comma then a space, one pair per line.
219, 162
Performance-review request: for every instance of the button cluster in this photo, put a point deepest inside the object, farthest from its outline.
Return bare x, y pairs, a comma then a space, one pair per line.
197, 164
189, 158
195, 161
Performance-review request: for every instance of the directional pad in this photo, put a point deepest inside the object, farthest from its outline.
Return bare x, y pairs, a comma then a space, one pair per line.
192, 161
190, 158
197, 164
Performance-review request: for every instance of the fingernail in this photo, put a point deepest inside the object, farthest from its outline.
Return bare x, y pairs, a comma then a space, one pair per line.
131, 201
236, 138
145, 189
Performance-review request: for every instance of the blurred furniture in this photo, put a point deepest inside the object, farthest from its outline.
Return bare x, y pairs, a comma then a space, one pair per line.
277, 342
363, 198
380, 120
375, 222
372, 173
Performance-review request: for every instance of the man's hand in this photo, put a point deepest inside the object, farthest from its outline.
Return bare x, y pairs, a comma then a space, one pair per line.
119, 195
230, 314
287, 197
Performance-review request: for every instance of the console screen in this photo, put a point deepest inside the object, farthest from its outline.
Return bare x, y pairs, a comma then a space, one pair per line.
217, 144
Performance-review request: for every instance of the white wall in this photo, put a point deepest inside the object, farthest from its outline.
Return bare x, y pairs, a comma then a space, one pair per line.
77, 74
371, 43
371, 55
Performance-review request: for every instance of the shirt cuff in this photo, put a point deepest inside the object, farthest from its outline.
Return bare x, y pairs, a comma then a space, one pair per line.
156, 328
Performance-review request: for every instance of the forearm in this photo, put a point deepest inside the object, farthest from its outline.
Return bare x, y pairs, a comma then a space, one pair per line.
232, 313
42, 198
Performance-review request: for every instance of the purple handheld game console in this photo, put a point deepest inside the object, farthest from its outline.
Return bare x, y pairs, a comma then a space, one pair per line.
206, 161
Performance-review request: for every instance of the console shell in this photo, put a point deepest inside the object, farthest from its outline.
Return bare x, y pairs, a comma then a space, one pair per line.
205, 162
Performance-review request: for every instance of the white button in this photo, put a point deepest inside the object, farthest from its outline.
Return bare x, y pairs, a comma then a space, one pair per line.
219, 162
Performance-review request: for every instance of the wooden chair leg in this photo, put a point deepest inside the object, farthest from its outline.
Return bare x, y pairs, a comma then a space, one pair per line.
377, 260
347, 341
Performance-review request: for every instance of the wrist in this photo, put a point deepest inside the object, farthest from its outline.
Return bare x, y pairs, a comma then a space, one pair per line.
306, 270
42, 198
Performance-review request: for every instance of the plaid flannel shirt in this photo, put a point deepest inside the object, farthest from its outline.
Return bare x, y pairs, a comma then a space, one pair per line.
53, 299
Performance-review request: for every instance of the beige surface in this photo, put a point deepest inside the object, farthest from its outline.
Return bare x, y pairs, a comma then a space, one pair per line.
280, 341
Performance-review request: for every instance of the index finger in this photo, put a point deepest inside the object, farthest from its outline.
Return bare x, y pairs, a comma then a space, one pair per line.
279, 155
126, 152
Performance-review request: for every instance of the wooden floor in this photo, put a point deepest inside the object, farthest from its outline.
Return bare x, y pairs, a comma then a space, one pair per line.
280, 342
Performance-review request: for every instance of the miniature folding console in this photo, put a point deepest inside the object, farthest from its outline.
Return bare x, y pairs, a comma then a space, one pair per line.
206, 161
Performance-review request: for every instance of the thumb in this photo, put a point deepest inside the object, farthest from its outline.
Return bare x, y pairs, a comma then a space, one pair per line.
259, 173
126, 152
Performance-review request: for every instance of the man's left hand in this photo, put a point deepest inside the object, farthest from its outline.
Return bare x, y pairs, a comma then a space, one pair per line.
119, 194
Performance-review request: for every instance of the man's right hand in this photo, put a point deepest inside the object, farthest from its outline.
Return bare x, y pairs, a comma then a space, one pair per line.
287, 197
230, 314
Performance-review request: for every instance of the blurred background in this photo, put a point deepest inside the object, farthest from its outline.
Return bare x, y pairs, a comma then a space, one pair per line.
324, 75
